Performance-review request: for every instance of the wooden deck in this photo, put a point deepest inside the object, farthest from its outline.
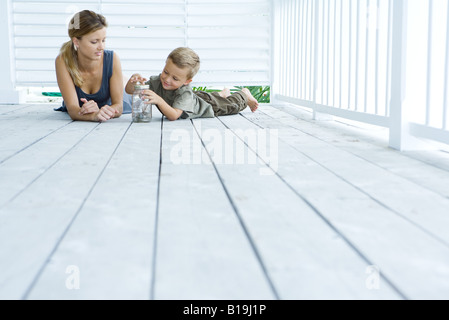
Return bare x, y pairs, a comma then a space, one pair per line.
170, 210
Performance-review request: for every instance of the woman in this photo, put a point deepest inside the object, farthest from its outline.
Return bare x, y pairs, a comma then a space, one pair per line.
90, 77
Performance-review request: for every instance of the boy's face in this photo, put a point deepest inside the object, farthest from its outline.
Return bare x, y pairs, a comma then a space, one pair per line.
173, 77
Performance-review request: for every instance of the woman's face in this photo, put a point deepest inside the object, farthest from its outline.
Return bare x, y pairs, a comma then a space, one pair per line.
92, 45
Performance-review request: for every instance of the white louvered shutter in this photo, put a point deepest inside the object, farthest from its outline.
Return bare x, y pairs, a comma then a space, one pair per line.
233, 38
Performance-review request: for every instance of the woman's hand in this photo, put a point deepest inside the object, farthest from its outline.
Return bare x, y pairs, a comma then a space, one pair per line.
102, 115
88, 107
106, 113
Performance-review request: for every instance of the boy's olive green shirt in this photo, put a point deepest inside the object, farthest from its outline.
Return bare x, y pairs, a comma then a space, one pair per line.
184, 99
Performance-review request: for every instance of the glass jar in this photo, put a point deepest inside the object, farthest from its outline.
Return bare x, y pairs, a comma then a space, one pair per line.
141, 108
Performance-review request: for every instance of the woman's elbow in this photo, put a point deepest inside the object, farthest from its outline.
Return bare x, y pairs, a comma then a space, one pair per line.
118, 114
119, 111
73, 115
76, 116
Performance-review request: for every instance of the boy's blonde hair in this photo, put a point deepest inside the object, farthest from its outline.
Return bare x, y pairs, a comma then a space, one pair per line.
186, 58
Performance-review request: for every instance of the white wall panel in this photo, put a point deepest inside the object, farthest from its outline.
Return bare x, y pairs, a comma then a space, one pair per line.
232, 37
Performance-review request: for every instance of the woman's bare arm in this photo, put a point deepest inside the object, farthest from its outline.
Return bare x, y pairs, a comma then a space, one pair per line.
67, 88
116, 87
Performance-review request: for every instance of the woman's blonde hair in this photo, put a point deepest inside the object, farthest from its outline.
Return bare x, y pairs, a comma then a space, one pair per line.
82, 23
186, 58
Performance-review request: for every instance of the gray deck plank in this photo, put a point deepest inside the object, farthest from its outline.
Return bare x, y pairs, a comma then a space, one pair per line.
6, 109
25, 116
339, 204
285, 228
202, 251
114, 231
402, 250
409, 199
435, 158
404, 164
33, 223
24, 168
21, 131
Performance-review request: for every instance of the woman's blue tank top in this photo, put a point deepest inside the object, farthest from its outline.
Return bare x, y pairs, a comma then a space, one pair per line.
103, 96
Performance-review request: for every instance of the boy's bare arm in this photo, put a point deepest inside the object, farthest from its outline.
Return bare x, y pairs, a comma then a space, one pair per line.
171, 113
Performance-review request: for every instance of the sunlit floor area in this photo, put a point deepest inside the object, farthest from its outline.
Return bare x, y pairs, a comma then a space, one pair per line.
256, 206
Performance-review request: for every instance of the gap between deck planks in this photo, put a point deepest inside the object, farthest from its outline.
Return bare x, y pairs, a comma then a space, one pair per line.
309, 230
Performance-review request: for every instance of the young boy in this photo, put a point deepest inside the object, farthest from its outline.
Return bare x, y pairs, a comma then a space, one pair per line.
173, 95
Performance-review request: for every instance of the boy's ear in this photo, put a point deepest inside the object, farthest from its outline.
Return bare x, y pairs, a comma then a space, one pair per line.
188, 82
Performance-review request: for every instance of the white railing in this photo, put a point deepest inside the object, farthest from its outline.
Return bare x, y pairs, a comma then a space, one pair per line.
427, 69
339, 57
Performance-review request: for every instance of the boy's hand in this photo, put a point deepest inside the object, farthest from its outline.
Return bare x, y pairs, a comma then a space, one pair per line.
152, 97
135, 78
171, 113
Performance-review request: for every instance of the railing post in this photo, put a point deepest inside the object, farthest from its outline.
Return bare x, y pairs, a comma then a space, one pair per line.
400, 136
8, 94
315, 58
398, 127
318, 116
274, 74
